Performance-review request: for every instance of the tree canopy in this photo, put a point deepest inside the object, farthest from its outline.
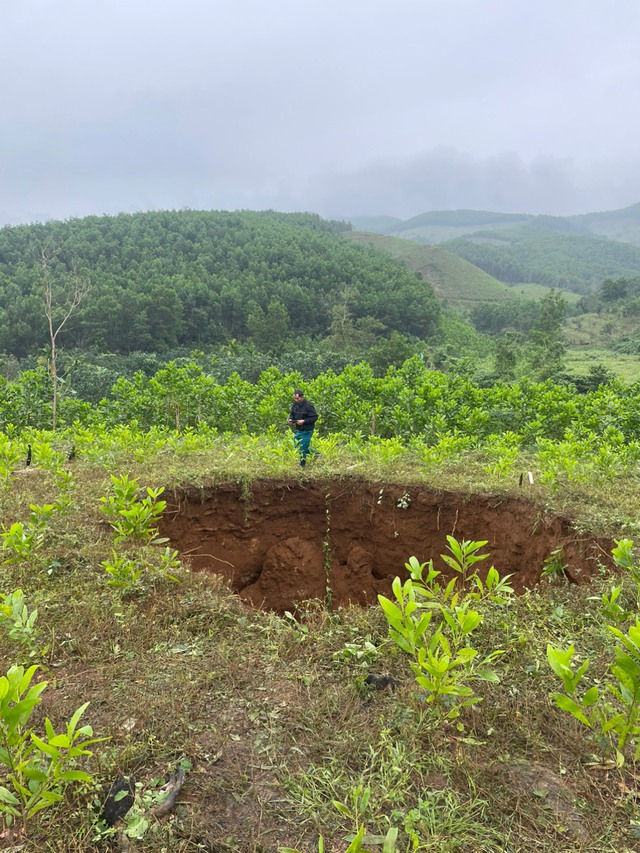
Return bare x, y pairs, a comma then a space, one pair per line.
171, 279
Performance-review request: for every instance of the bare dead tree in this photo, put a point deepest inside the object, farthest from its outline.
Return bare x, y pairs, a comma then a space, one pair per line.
59, 307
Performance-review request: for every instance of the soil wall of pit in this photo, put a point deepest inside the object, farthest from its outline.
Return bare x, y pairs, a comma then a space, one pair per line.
285, 542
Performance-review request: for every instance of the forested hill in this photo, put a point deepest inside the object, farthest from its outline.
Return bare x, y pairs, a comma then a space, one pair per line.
163, 280
537, 254
571, 252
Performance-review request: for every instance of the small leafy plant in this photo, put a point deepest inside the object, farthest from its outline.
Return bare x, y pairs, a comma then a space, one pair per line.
554, 566
10, 456
443, 660
123, 572
35, 770
129, 574
359, 801
612, 711
132, 517
611, 607
18, 622
624, 558
20, 540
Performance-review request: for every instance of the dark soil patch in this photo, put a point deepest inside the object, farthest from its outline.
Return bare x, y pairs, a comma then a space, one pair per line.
286, 542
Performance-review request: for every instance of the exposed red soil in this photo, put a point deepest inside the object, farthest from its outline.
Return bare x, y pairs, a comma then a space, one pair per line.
286, 542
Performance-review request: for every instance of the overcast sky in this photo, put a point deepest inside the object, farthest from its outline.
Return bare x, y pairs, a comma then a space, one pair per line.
342, 107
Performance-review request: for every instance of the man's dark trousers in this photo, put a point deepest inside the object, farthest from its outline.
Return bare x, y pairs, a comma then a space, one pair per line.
302, 440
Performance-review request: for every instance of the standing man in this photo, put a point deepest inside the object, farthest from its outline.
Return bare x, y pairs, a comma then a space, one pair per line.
302, 420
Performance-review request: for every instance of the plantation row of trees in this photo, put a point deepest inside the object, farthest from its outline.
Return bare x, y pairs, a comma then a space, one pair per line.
502, 356
410, 402
198, 278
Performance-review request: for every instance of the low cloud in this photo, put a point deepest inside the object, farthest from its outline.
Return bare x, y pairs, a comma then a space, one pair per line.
446, 178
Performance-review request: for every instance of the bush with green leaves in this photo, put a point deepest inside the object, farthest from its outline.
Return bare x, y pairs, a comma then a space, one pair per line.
18, 541
611, 710
123, 572
34, 770
129, 515
444, 662
10, 458
624, 558
611, 607
134, 574
21, 540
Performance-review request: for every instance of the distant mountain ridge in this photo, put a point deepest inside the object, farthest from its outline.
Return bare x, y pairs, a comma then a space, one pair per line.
623, 225
436, 226
570, 252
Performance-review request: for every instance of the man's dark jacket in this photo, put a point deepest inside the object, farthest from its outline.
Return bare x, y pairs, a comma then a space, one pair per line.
304, 410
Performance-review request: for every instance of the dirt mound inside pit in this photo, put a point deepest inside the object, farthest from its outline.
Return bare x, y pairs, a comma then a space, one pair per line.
285, 542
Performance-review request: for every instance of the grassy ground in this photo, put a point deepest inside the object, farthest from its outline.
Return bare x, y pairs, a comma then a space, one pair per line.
452, 278
588, 330
579, 360
273, 718
538, 291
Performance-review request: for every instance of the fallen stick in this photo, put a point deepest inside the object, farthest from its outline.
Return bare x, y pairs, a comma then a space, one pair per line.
176, 781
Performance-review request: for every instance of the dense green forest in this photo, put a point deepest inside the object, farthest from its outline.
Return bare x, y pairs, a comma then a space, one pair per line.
162, 280
243, 292
533, 254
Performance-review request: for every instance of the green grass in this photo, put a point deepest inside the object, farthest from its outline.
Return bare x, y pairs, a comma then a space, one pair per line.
537, 291
579, 360
452, 278
587, 330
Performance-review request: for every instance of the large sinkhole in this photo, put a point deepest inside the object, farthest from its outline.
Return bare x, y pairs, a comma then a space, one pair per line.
278, 543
